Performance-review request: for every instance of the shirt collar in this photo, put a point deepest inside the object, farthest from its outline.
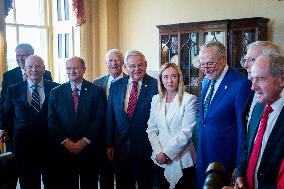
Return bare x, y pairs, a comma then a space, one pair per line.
79, 86
223, 73
112, 78
31, 84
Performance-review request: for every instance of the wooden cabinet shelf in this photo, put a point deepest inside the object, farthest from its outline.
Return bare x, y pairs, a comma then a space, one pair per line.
179, 43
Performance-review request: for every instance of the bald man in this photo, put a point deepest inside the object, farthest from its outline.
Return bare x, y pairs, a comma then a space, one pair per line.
27, 102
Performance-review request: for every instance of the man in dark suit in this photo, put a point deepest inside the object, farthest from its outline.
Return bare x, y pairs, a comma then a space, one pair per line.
224, 93
27, 102
263, 149
17, 75
114, 63
76, 117
254, 50
128, 111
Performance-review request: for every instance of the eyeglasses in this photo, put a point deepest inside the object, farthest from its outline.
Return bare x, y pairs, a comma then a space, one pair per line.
208, 65
247, 60
133, 66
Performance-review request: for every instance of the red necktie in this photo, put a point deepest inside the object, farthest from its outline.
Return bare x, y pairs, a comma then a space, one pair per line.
257, 146
132, 99
75, 98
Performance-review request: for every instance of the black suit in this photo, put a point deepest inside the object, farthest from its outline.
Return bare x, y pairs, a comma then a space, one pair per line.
33, 144
64, 123
273, 153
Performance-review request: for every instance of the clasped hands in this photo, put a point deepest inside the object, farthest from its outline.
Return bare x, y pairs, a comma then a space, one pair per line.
75, 147
162, 158
3, 136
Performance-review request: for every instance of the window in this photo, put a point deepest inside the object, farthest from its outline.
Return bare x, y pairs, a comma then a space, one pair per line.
27, 25
65, 37
32, 25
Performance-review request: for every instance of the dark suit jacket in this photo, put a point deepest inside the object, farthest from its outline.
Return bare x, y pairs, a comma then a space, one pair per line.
220, 132
102, 81
16, 105
128, 136
12, 77
65, 123
272, 156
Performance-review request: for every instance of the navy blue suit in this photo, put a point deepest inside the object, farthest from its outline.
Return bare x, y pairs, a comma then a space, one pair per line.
87, 122
220, 132
273, 153
132, 149
33, 144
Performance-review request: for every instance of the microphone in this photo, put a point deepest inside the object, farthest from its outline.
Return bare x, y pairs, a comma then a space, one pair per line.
216, 176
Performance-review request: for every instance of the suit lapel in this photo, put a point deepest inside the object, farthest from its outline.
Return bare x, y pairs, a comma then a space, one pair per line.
222, 89
121, 92
67, 94
254, 124
83, 98
47, 88
172, 110
104, 84
276, 133
18, 75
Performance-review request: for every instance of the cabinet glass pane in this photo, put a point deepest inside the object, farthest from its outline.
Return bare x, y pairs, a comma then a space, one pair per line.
169, 51
189, 68
240, 41
215, 36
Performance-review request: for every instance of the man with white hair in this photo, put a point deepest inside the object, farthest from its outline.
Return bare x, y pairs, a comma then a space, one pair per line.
27, 102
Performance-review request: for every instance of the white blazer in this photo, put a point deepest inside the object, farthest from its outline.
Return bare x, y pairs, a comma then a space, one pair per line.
171, 133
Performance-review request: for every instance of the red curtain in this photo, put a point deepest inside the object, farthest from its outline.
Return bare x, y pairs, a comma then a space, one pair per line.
78, 8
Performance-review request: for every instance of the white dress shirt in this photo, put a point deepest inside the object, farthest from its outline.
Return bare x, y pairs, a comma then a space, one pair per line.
277, 107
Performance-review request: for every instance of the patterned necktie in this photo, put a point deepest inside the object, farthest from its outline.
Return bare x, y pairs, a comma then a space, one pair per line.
132, 99
35, 103
75, 98
208, 98
256, 147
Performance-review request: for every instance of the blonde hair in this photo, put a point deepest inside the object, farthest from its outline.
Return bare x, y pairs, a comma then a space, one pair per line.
162, 89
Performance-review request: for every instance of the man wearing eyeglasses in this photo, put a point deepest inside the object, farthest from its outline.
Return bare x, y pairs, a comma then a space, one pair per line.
224, 93
128, 111
12, 77
254, 50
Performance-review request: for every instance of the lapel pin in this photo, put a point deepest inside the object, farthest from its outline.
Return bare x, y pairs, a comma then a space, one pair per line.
226, 87
145, 85
85, 89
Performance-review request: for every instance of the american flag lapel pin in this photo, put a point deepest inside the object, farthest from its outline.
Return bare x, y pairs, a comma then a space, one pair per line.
226, 87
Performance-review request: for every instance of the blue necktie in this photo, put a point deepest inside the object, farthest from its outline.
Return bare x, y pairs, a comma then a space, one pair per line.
35, 103
207, 101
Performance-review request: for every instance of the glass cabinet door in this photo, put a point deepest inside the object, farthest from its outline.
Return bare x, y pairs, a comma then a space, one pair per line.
188, 63
169, 51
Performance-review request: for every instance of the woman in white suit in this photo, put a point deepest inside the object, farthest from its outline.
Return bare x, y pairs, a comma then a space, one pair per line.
170, 129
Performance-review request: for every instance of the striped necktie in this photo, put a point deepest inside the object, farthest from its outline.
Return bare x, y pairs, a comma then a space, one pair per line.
207, 101
132, 99
35, 103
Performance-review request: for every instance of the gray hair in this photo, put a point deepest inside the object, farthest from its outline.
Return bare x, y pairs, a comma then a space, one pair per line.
35, 57
220, 48
114, 52
27, 47
276, 64
267, 47
130, 53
